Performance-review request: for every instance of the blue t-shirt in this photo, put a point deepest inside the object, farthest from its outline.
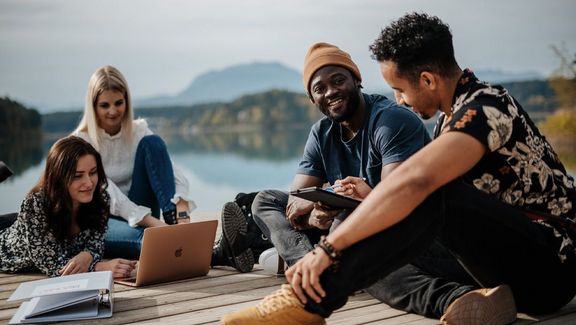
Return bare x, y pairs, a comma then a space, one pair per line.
390, 134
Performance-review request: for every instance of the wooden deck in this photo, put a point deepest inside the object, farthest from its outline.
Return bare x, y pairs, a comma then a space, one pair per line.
204, 300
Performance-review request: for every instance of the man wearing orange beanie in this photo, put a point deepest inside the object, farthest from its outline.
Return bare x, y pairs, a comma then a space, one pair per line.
359, 142
489, 187
323, 54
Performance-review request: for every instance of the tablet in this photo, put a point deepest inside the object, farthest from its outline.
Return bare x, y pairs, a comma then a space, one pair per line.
331, 199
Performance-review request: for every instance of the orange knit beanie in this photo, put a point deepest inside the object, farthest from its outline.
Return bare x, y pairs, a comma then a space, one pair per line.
323, 54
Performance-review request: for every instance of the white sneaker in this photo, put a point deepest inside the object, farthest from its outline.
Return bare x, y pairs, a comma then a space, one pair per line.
271, 262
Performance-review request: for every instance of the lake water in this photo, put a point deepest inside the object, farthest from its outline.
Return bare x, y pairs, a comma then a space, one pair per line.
218, 165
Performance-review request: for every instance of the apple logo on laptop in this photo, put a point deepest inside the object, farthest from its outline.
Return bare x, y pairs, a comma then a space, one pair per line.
178, 252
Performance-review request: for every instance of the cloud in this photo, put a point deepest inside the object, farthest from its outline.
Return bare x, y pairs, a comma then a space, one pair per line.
50, 48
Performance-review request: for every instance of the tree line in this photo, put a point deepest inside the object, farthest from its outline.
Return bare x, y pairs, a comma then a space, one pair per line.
17, 120
275, 109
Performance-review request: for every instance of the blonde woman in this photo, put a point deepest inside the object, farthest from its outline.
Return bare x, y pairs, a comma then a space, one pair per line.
142, 179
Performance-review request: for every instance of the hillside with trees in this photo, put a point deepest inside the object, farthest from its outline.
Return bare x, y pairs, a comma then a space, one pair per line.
17, 120
275, 109
20, 135
560, 127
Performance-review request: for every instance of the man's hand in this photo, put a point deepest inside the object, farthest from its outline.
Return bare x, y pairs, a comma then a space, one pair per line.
304, 276
297, 210
77, 264
120, 267
354, 187
322, 216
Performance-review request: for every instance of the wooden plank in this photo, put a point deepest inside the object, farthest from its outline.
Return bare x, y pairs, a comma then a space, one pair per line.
175, 292
17, 278
192, 312
206, 299
376, 312
423, 321
7, 289
192, 294
216, 276
406, 319
561, 320
117, 287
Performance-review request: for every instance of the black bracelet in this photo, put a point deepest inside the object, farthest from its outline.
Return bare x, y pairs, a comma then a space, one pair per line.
329, 249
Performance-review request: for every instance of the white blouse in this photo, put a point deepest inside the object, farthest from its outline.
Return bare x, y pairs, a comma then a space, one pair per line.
118, 160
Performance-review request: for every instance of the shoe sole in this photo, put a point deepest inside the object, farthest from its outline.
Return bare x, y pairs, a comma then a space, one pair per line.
479, 309
234, 228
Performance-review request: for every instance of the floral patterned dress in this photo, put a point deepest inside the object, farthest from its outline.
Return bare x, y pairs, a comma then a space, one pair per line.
520, 167
28, 246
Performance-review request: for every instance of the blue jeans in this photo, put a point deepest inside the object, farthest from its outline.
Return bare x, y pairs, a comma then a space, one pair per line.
495, 242
427, 286
152, 186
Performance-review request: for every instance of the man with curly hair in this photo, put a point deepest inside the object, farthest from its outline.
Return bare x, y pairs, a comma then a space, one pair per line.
489, 187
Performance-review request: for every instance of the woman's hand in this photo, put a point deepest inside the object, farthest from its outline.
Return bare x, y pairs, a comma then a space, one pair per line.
77, 264
120, 267
150, 221
183, 220
354, 187
304, 276
296, 211
180, 220
182, 206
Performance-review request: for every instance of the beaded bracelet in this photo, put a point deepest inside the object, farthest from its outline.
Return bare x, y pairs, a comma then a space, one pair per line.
329, 249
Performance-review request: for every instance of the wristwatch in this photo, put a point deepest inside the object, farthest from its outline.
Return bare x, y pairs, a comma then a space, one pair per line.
183, 215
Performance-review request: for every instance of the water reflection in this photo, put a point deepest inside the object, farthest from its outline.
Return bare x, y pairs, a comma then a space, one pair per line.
265, 145
218, 165
21, 154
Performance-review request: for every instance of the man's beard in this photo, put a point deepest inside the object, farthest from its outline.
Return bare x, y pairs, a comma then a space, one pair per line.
351, 106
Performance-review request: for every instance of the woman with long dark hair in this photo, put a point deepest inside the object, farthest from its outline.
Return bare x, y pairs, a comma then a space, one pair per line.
62, 221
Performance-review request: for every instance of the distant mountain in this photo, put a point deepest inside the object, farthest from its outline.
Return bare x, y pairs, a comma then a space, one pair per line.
230, 83
233, 82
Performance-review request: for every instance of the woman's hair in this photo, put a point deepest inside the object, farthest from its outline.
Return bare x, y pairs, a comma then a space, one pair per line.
105, 78
417, 42
58, 174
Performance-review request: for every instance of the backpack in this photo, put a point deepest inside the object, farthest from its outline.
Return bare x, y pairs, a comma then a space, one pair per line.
256, 239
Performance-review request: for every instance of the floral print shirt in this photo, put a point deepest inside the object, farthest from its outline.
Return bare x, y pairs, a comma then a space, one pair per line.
520, 167
28, 246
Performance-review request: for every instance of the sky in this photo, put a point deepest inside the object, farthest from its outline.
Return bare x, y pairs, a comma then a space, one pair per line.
49, 48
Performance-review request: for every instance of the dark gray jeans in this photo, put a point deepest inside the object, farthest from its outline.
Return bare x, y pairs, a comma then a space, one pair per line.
497, 244
426, 286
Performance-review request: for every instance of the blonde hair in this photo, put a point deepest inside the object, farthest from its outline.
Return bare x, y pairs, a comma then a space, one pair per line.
105, 78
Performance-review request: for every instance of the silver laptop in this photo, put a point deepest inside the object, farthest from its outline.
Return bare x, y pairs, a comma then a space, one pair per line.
173, 253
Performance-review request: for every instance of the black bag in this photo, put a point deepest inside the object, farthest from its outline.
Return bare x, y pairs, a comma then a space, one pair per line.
256, 239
